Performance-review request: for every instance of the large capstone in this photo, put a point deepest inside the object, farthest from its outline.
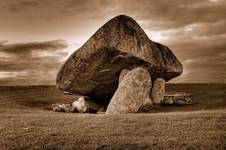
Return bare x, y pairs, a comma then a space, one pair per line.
93, 70
132, 93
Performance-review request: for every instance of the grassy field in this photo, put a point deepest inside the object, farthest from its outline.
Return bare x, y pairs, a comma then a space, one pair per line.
26, 124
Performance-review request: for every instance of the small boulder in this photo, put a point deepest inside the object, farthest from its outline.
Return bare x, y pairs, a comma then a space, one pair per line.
132, 92
69, 108
84, 105
62, 107
57, 107
178, 99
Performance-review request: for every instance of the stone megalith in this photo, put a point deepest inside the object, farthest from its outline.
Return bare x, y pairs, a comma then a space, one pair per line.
132, 93
93, 70
158, 91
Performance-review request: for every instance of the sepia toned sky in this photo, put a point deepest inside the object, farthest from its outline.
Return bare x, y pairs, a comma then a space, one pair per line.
37, 36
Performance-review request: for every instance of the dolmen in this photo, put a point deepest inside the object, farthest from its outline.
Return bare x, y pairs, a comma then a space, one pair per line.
119, 68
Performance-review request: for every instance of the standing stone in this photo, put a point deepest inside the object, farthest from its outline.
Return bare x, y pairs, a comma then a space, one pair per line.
122, 75
132, 92
158, 91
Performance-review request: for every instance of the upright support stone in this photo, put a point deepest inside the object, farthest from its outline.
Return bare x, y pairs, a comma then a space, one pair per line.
122, 75
132, 92
158, 91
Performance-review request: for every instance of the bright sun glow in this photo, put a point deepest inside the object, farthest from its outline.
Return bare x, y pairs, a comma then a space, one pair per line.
4, 74
214, 1
156, 36
72, 47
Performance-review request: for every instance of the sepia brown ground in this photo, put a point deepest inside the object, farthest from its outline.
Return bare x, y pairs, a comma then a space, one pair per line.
25, 123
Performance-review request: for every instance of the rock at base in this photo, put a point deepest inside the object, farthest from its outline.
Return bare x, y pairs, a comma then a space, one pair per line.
62, 108
84, 105
132, 92
178, 99
158, 91
145, 108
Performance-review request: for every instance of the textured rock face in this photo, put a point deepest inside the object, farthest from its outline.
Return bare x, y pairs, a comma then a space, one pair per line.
93, 70
62, 107
122, 75
82, 105
158, 91
133, 92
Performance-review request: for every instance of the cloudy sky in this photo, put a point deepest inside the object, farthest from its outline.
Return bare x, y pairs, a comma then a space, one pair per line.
37, 36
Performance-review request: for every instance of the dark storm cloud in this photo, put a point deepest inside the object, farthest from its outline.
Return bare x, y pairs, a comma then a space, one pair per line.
164, 14
24, 48
194, 30
21, 5
43, 63
81, 9
210, 29
203, 58
20, 62
87, 8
